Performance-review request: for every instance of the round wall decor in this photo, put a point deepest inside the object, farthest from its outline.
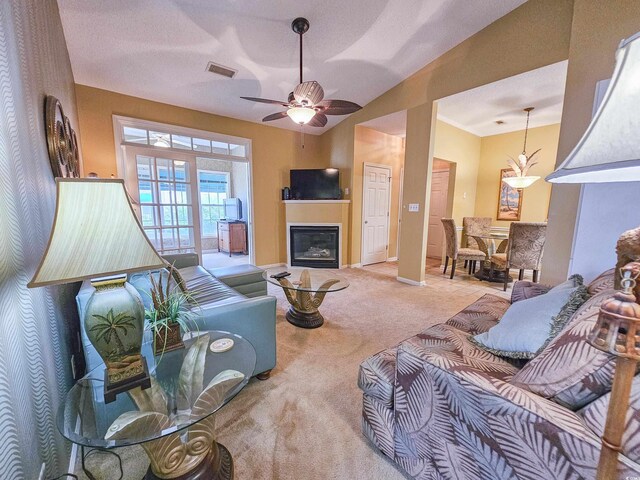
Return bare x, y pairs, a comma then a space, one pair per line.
62, 142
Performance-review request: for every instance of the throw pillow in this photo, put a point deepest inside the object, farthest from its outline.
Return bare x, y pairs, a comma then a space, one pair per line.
569, 370
528, 325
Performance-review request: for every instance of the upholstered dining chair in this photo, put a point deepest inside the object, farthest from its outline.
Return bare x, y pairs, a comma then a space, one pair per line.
474, 226
455, 252
524, 250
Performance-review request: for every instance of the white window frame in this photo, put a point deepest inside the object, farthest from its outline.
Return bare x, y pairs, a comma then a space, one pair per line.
157, 205
216, 172
129, 173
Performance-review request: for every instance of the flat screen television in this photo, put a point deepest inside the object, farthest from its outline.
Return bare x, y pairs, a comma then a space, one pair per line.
315, 184
232, 209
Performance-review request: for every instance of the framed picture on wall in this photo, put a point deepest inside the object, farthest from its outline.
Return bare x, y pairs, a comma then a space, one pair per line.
509, 199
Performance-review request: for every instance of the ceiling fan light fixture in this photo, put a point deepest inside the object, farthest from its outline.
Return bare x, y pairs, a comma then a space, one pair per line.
301, 115
520, 182
306, 104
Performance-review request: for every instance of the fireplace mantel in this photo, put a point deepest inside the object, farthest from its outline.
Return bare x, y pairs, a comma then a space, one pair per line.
320, 212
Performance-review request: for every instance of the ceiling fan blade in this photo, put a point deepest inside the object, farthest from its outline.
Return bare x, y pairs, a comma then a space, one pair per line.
338, 107
266, 100
308, 93
318, 120
274, 116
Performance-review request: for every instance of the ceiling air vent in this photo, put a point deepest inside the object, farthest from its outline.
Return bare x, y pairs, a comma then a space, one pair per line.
220, 70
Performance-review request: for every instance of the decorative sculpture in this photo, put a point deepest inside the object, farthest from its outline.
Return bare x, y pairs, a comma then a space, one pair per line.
628, 250
62, 142
303, 311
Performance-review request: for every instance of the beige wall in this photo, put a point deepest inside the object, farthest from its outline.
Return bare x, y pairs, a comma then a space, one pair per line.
534, 35
274, 152
493, 158
462, 149
476, 165
371, 146
597, 29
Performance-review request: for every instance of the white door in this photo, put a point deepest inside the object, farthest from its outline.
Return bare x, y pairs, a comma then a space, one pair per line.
165, 196
400, 213
437, 210
375, 214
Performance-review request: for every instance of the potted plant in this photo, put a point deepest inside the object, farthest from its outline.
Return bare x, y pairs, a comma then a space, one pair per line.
169, 314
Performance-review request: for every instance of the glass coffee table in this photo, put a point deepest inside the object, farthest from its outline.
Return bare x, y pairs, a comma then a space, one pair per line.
305, 289
173, 420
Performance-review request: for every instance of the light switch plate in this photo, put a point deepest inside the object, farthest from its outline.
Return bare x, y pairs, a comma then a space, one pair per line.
414, 207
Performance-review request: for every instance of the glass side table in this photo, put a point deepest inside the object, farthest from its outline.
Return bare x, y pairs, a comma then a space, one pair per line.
173, 420
305, 289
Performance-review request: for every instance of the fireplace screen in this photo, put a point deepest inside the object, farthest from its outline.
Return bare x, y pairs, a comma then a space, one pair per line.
314, 246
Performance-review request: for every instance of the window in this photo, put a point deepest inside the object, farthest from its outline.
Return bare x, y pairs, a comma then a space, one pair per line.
143, 136
213, 188
165, 203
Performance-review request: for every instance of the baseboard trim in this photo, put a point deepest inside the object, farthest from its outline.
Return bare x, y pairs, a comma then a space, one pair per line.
392, 259
355, 265
408, 281
272, 265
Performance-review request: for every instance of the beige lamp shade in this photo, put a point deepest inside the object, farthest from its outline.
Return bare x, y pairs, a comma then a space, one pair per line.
95, 233
609, 151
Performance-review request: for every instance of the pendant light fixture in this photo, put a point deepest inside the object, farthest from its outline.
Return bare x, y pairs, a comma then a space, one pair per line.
523, 164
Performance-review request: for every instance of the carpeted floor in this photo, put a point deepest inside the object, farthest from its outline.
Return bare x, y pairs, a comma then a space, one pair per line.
304, 422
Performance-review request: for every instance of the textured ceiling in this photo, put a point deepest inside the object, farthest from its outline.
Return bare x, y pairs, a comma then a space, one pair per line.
392, 124
357, 49
477, 110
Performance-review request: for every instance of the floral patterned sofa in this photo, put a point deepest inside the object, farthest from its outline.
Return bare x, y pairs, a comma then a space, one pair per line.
442, 408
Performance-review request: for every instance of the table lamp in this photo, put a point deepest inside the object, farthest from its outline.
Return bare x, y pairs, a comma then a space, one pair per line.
609, 151
96, 236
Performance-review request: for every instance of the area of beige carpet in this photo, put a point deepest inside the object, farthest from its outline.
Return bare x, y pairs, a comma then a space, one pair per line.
304, 422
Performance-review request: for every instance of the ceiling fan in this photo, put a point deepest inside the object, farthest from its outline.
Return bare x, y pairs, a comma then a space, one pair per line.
305, 105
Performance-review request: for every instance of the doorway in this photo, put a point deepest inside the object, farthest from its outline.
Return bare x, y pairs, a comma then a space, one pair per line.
438, 208
223, 195
189, 188
376, 201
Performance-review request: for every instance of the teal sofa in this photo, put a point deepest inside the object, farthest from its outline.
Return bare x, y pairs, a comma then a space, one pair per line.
232, 299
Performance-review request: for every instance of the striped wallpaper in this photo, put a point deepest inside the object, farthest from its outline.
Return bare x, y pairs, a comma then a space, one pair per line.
35, 325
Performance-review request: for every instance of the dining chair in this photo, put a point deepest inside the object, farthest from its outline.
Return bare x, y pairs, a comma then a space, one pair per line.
455, 252
524, 250
474, 226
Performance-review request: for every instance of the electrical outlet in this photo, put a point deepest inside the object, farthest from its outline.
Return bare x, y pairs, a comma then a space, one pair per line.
42, 470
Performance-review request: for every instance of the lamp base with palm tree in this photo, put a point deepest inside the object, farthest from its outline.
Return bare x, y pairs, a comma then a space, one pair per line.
114, 322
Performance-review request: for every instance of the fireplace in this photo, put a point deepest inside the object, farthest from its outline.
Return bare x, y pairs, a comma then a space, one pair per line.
314, 246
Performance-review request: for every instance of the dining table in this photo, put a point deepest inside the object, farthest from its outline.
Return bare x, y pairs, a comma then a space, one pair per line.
490, 244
